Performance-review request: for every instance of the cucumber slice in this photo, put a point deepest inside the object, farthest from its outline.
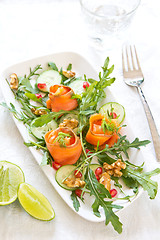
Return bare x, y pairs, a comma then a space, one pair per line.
117, 108
77, 86
93, 167
50, 78
64, 172
38, 130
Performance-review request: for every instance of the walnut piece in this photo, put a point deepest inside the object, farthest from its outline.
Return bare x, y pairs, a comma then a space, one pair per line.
70, 123
105, 180
115, 168
74, 182
14, 81
38, 112
68, 74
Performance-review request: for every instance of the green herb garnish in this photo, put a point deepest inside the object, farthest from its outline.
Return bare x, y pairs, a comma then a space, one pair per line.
61, 138
108, 126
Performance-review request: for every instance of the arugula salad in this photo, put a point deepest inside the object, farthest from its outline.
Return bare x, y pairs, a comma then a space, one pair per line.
81, 138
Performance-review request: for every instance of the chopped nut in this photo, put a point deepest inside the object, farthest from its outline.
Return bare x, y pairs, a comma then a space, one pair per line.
105, 180
68, 74
42, 111
38, 112
115, 168
70, 123
74, 182
14, 81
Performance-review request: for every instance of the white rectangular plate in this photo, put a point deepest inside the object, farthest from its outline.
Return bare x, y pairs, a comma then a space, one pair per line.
81, 67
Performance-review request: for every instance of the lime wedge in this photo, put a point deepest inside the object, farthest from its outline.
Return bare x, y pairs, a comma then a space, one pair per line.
35, 203
10, 177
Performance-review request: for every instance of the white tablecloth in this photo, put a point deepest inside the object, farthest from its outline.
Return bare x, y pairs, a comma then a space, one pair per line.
34, 28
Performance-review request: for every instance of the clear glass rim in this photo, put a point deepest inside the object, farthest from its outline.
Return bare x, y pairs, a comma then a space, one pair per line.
110, 17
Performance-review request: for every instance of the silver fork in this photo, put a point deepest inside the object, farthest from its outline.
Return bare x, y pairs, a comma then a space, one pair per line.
133, 76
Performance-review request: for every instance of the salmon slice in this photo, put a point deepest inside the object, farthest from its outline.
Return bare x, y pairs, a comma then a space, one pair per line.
66, 153
60, 98
112, 140
96, 134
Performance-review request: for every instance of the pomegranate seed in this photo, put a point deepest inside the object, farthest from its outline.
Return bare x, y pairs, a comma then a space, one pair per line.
78, 192
113, 115
38, 95
98, 171
77, 174
97, 176
113, 192
41, 85
85, 84
88, 152
56, 165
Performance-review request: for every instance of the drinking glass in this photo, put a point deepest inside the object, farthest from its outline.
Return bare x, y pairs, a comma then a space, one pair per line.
106, 20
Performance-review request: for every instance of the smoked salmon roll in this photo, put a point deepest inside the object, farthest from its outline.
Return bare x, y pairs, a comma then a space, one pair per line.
60, 98
112, 140
64, 145
101, 130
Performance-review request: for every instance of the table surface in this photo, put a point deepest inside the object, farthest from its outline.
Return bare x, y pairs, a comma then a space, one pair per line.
35, 28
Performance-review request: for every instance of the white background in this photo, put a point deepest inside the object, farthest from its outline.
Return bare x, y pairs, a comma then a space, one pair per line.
29, 29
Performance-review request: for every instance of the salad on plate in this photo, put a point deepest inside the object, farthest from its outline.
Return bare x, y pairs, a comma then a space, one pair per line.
81, 138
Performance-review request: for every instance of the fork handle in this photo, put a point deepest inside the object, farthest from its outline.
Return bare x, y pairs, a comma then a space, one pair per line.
153, 129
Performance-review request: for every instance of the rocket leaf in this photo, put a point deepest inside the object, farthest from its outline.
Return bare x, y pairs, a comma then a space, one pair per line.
100, 193
76, 203
143, 178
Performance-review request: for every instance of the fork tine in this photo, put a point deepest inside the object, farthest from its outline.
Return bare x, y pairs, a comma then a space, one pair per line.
133, 63
128, 63
138, 64
132, 76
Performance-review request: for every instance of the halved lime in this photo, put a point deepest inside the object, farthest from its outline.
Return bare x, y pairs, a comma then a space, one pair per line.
35, 203
113, 107
10, 177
